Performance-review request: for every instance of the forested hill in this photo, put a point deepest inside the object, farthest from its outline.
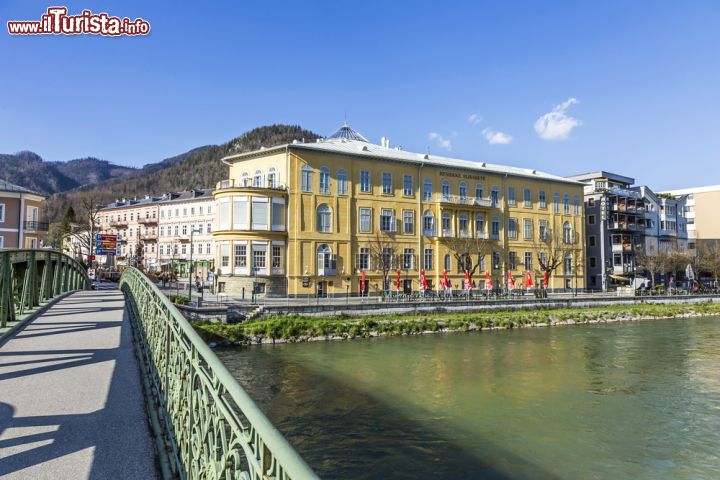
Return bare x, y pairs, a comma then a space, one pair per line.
29, 170
198, 168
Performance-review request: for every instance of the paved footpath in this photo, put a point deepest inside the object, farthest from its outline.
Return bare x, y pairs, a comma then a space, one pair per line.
71, 404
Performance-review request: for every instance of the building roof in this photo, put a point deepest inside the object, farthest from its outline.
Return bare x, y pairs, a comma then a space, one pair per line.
171, 197
686, 191
347, 133
6, 186
586, 177
364, 149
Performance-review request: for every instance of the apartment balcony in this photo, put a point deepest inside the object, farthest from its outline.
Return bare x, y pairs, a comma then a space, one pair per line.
182, 238
148, 221
482, 235
118, 223
622, 247
460, 200
33, 226
512, 234
447, 233
150, 237
429, 232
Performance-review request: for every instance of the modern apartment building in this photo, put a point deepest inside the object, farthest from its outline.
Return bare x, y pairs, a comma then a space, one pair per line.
308, 218
186, 222
20, 217
622, 220
703, 221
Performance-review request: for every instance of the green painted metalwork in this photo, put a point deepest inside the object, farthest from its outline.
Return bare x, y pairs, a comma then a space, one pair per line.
212, 429
29, 278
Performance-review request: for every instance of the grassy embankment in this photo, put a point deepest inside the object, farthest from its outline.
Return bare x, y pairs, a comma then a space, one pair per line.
296, 328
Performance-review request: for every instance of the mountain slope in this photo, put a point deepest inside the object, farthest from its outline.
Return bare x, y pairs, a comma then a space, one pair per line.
29, 170
197, 168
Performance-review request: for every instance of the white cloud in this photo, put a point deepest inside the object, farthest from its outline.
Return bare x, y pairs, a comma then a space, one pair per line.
474, 119
496, 138
442, 142
557, 125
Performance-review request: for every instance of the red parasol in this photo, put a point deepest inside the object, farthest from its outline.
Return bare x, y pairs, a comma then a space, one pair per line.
488, 282
528, 280
397, 280
423, 280
446, 282
545, 279
468, 284
362, 282
511, 281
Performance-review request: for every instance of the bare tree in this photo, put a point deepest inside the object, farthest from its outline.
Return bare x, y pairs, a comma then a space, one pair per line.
711, 260
384, 255
88, 224
654, 262
550, 249
469, 252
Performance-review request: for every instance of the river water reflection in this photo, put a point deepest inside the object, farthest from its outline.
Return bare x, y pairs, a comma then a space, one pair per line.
634, 400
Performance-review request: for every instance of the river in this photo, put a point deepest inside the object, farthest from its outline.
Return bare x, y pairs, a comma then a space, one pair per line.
636, 400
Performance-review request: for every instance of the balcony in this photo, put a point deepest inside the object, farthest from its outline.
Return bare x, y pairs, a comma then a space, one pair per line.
182, 238
512, 234
429, 232
148, 221
459, 200
150, 237
447, 233
118, 223
33, 226
248, 185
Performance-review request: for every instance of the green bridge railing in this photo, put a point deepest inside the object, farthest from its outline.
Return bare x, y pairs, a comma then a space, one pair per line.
29, 278
209, 426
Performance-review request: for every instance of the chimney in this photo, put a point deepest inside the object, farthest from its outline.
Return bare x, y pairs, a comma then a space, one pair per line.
385, 142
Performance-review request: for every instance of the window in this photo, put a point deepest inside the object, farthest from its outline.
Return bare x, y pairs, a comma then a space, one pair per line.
365, 220
427, 190
260, 213
306, 178
480, 226
200, 228
184, 230
463, 190
463, 224
527, 198
496, 260
240, 256
408, 259
408, 222
224, 257
495, 228
245, 179
276, 256
591, 219
528, 262
541, 199
446, 263
591, 241
566, 204
567, 233
364, 259
259, 257
271, 180
408, 185
543, 231
494, 196
527, 229
387, 220
184, 213
556, 202
183, 249
324, 180
446, 225
325, 260
209, 228
387, 258
445, 188
365, 181
2, 242
479, 190
593, 262
511, 195
428, 224
576, 205
324, 219
192, 212
428, 259
342, 182
257, 179
512, 228
387, 183
240, 213
278, 214
568, 263
512, 261
591, 202
207, 249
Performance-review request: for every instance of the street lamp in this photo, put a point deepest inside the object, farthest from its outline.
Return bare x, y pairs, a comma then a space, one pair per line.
191, 269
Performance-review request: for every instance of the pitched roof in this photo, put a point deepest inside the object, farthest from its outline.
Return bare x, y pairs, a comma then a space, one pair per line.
6, 186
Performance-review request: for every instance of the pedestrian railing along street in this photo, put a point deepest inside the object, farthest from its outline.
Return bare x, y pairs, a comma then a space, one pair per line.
29, 278
210, 426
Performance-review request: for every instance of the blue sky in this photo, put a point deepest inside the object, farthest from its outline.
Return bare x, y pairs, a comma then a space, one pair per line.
630, 87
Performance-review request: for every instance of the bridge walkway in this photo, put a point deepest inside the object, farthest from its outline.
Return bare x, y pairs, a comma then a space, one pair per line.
71, 402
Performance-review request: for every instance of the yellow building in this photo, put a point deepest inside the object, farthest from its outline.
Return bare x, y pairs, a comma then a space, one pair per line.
309, 218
